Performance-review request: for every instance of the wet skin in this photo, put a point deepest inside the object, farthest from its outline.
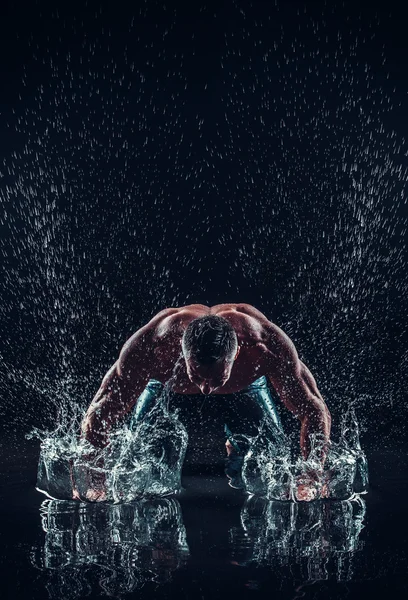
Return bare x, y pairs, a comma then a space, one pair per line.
155, 349
155, 352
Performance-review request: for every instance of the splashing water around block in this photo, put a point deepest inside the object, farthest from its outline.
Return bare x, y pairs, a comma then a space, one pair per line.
268, 469
144, 461
148, 460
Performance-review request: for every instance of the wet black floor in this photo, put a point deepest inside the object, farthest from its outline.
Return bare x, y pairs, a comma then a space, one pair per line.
209, 542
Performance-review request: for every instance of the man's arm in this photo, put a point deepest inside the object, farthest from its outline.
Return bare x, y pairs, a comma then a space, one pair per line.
297, 389
120, 388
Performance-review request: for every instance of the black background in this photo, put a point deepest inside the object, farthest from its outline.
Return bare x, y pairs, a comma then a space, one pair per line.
156, 155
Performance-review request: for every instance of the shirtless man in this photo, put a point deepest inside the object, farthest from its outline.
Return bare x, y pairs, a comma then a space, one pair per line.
223, 349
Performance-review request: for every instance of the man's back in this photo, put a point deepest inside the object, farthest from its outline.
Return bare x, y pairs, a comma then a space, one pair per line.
166, 330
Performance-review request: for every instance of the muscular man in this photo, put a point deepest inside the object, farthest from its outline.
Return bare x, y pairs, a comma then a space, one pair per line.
223, 349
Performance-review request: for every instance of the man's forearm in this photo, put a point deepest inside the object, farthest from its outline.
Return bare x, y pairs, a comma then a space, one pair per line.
316, 423
107, 407
89, 482
94, 428
112, 402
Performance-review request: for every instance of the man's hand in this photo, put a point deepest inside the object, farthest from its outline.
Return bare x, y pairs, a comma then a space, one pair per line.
308, 486
311, 485
91, 495
96, 495
95, 480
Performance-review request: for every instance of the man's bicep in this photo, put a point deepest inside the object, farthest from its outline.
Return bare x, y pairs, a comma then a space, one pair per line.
287, 374
287, 382
134, 358
309, 379
126, 379
297, 388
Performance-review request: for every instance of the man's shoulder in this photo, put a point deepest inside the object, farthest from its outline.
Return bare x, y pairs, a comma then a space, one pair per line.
175, 320
271, 334
193, 309
240, 308
198, 310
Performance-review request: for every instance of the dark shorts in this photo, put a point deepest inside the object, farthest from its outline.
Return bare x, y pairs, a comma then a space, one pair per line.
205, 417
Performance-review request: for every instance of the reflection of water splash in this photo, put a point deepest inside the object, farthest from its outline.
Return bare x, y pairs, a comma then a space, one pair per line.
147, 460
119, 546
268, 468
307, 534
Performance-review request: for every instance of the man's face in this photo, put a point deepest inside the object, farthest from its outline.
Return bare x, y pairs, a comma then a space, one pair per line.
208, 378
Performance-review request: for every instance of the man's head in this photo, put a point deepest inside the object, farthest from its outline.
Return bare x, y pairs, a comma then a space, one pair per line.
210, 347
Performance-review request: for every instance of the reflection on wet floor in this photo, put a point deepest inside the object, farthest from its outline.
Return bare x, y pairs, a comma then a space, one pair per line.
309, 534
123, 546
119, 548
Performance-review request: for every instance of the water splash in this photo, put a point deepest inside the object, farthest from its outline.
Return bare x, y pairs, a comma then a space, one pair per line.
144, 461
269, 470
148, 460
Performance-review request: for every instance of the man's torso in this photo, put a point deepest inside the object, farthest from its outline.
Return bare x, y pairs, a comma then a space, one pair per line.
252, 329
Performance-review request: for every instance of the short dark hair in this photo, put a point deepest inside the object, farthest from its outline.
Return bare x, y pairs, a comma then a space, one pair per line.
208, 339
